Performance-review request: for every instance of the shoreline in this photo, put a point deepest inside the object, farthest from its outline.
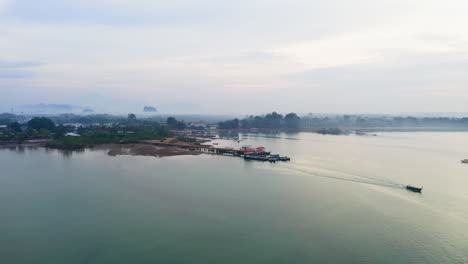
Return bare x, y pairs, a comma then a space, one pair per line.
26, 143
317, 129
139, 149
131, 149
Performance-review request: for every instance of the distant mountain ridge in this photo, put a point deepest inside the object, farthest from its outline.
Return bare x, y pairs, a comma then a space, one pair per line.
149, 109
51, 108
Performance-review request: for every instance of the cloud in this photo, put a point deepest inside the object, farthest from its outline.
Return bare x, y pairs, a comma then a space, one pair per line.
19, 64
119, 12
286, 54
17, 69
14, 74
407, 82
4, 4
397, 71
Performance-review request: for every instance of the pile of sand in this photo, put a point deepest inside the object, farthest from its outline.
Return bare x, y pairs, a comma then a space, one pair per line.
144, 150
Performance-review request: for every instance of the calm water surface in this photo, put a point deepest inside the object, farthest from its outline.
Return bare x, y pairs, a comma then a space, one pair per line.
340, 200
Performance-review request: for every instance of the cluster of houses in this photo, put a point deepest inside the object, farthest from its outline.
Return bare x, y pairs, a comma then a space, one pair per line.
75, 126
202, 126
3, 129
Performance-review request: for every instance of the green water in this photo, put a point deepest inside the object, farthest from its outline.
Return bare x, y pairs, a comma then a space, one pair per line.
338, 201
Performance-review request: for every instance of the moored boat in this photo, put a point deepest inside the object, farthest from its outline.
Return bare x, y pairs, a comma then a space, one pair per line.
262, 155
413, 189
255, 157
274, 158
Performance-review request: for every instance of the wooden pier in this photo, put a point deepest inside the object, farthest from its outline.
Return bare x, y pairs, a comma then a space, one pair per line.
199, 148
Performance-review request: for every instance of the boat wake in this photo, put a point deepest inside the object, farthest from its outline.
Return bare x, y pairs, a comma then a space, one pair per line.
341, 176
266, 136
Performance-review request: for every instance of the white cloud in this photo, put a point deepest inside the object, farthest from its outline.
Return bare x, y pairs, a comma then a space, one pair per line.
4, 4
192, 50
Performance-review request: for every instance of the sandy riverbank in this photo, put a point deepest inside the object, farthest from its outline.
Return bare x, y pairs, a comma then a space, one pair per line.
143, 150
113, 149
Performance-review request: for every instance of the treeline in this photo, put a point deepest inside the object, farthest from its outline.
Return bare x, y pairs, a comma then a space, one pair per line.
102, 135
359, 121
271, 120
83, 136
292, 121
98, 119
36, 128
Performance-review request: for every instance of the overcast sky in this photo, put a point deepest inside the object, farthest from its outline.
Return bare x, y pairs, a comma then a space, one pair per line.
361, 56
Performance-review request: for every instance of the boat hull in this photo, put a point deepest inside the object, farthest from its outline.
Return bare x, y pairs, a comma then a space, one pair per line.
413, 189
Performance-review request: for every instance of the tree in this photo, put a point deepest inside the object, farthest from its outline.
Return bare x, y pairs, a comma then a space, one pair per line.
163, 131
180, 125
15, 127
21, 137
291, 120
131, 116
171, 121
60, 131
273, 120
44, 133
229, 124
38, 123
258, 121
174, 124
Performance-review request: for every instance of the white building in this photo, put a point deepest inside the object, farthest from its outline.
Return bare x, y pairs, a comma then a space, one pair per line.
72, 135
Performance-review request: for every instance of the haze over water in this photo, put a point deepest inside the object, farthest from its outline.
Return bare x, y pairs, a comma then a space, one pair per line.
340, 200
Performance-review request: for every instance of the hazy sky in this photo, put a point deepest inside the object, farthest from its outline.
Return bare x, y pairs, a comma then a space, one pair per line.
239, 56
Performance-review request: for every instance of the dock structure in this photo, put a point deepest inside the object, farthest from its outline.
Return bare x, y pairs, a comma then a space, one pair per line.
199, 148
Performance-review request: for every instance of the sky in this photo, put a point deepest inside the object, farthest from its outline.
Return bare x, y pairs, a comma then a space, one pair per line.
244, 56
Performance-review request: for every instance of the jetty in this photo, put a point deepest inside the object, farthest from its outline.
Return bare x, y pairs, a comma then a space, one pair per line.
199, 148
246, 152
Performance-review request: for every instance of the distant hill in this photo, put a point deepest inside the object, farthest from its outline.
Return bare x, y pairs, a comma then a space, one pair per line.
52, 109
149, 109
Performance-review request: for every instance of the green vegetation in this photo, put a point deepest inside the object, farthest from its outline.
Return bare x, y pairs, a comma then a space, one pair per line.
271, 120
102, 128
39, 123
89, 119
229, 124
36, 128
7, 118
14, 127
293, 121
174, 124
45, 128
102, 135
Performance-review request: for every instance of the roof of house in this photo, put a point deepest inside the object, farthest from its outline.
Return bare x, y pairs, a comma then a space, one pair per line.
72, 134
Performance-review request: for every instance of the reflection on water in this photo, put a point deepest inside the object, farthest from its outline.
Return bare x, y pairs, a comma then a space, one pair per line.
20, 149
69, 153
